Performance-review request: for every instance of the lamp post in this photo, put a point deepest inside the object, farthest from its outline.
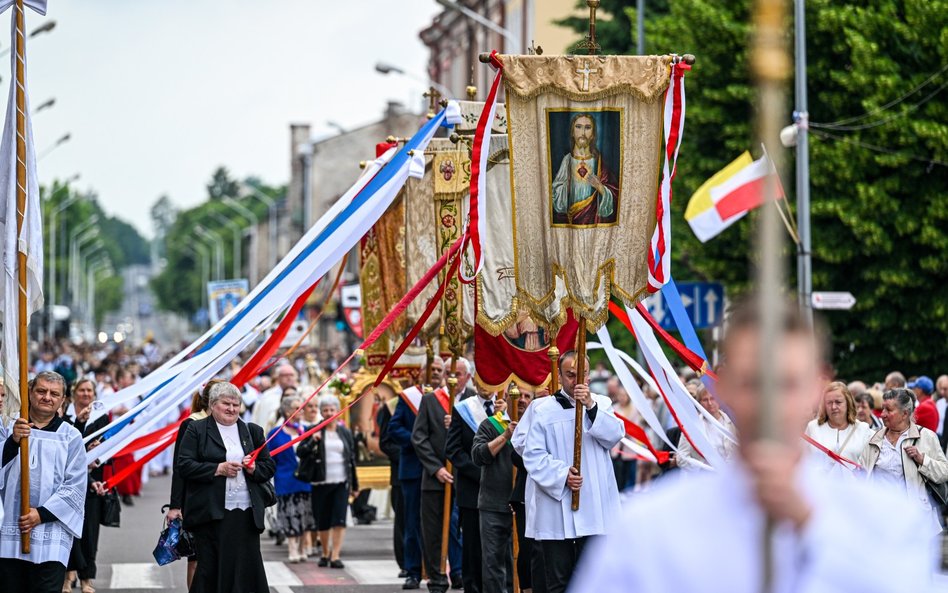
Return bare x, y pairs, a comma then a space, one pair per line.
95, 266
205, 265
237, 246
62, 140
80, 269
218, 244
53, 253
386, 68
251, 230
802, 117
273, 219
73, 236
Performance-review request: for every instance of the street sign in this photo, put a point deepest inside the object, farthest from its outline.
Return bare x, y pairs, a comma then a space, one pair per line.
833, 300
703, 301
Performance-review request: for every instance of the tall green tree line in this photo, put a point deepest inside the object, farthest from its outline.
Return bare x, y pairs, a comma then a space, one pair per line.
879, 179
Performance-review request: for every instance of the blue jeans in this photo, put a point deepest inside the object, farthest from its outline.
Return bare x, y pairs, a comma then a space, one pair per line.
411, 493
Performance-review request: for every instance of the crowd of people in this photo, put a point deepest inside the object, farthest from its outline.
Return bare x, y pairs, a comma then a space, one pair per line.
484, 486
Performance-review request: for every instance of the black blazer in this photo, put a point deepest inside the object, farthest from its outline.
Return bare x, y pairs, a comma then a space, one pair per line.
388, 446
177, 482
201, 451
467, 475
313, 451
428, 437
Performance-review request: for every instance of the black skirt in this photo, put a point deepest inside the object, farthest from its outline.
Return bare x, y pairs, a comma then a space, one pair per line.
230, 555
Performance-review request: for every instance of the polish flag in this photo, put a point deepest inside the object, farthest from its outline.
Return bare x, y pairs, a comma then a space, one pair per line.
729, 194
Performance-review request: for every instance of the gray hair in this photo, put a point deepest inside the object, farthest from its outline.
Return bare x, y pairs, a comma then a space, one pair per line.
286, 404
222, 390
48, 377
329, 400
461, 361
903, 397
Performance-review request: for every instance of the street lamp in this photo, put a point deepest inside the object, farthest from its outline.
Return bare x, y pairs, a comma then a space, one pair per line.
514, 39
73, 236
273, 219
238, 235
336, 126
95, 266
44, 105
218, 244
62, 140
205, 266
385, 68
53, 253
251, 230
80, 266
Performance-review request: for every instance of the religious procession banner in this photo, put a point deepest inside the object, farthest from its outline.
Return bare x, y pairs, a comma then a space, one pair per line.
589, 197
382, 277
508, 344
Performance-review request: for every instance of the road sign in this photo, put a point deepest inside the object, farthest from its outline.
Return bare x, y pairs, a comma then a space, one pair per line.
833, 300
703, 301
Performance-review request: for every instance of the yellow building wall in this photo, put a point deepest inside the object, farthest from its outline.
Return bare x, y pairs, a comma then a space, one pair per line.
552, 38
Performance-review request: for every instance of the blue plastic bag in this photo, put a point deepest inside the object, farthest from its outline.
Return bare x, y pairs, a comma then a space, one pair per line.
166, 551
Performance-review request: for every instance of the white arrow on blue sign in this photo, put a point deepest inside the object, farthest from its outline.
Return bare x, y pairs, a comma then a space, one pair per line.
703, 301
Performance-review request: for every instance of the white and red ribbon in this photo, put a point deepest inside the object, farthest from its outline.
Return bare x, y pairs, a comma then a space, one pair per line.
480, 151
659, 255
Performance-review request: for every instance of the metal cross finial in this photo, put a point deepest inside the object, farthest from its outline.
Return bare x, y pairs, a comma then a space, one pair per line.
589, 43
432, 95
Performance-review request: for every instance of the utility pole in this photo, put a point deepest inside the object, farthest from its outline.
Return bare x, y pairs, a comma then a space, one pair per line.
640, 27
802, 118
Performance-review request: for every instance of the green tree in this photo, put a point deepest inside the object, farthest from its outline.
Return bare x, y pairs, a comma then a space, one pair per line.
178, 287
879, 192
222, 185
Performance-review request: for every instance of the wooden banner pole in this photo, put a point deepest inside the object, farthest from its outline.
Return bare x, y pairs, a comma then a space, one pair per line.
513, 411
23, 337
580, 378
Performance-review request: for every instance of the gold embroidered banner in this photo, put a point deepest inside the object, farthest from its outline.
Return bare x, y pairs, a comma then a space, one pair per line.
585, 138
382, 277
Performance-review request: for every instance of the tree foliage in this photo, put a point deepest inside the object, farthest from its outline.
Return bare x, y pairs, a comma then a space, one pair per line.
879, 193
179, 286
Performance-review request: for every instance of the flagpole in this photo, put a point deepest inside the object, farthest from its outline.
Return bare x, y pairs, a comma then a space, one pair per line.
22, 337
578, 432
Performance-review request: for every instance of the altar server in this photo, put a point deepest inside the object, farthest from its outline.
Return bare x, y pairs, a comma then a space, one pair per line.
57, 492
548, 457
705, 533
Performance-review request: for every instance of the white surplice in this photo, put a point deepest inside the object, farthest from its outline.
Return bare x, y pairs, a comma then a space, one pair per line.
57, 483
702, 532
547, 457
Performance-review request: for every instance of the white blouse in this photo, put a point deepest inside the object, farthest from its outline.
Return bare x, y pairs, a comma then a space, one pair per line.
889, 465
237, 495
335, 458
848, 442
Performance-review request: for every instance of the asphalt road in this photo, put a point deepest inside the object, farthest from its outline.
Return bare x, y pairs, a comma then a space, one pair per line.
125, 561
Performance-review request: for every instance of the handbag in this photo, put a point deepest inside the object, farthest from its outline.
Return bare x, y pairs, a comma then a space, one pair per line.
111, 509
938, 492
269, 493
166, 551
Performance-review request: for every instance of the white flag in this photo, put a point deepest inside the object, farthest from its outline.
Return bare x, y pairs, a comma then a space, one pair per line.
29, 242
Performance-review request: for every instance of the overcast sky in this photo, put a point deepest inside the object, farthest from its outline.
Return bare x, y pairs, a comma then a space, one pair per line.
158, 93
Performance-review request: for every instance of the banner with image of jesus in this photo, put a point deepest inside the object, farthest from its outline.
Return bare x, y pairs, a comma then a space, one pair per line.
585, 137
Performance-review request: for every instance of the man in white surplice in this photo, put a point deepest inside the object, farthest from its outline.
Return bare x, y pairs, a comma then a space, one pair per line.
548, 459
57, 492
704, 531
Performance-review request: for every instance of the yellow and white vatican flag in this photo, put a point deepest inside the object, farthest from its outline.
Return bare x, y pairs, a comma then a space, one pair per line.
29, 240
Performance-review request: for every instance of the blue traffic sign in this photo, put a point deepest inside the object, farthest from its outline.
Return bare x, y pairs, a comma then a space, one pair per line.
703, 301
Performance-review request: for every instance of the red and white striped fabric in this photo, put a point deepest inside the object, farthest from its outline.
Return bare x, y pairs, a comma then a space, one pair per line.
477, 209
745, 190
659, 255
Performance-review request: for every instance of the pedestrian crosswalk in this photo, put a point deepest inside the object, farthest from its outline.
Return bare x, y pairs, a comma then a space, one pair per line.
282, 576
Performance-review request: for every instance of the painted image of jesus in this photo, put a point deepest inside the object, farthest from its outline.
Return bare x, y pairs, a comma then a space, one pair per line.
585, 190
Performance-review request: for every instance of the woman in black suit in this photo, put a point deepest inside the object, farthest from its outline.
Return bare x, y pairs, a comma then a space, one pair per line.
328, 461
226, 495
176, 502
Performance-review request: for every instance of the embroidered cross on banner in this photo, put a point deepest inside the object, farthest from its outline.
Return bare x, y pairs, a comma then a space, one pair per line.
586, 71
